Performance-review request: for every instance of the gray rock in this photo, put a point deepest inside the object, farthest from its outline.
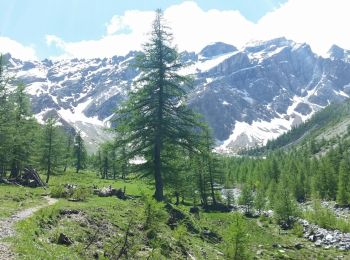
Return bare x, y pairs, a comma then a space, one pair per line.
258, 83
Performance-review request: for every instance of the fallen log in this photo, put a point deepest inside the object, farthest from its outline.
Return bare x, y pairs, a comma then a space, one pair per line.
29, 178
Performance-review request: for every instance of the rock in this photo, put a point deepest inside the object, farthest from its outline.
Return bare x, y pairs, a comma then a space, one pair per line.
329, 237
109, 191
312, 238
298, 246
318, 243
274, 245
194, 210
69, 211
211, 236
319, 235
64, 240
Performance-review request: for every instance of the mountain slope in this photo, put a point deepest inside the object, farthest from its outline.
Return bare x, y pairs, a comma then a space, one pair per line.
323, 127
247, 96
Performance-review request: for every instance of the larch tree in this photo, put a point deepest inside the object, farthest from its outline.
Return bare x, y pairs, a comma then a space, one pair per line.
79, 152
51, 148
156, 115
5, 118
24, 134
343, 183
68, 150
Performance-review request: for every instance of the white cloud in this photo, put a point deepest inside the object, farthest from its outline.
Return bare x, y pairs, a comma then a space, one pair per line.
319, 23
123, 33
16, 49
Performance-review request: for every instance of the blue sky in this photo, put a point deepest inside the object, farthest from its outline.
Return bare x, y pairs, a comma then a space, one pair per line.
68, 28
74, 20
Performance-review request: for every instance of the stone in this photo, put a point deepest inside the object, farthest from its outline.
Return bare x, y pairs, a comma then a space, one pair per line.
275, 245
329, 237
64, 240
312, 238
298, 246
318, 243
194, 210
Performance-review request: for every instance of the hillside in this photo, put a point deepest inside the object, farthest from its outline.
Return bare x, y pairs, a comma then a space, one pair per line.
107, 227
247, 95
326, 125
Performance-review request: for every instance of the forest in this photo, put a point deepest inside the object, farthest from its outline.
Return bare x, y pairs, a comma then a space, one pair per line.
158, 190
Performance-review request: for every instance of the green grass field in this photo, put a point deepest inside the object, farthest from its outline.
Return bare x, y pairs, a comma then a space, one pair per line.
107, 227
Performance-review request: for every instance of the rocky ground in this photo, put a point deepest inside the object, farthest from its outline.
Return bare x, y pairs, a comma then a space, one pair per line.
7, 227
324, 237
321, 237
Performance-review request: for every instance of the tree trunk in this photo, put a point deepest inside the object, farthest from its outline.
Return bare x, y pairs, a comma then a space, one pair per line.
158, 195
49, 157
211, 182
177, 195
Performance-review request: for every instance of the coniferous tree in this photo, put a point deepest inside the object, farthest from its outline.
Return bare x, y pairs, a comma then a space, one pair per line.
24, 132
156, 115
51, 151
6, 115
79, 152
68, 151
236, 239
284, 205
212, 164
246, 198
343, 183
260, 200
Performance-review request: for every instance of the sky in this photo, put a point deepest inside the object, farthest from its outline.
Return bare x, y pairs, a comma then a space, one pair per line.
57, 29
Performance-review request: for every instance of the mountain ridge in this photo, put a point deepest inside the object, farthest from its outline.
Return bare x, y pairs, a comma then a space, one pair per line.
247, 95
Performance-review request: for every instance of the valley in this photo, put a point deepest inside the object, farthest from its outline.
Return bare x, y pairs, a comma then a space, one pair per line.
161, 144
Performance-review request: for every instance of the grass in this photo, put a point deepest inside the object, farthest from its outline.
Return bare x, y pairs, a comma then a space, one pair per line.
99, 226
13, 198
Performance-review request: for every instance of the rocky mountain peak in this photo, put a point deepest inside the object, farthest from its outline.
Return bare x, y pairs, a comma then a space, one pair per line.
247, 96
216, 49
338, 53
257, 46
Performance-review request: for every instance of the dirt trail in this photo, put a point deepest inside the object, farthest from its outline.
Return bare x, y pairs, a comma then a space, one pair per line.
7, 227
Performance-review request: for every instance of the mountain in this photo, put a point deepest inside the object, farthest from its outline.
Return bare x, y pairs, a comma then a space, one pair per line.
322, 131
247, 95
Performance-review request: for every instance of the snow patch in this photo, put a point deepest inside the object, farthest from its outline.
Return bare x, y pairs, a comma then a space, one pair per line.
205, 64
77, 114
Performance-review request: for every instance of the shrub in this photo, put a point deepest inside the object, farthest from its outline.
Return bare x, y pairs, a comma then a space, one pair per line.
326, 218
81, 194
59, 192
236, 239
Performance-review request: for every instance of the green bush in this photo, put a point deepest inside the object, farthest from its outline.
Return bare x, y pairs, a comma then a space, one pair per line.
78, 194
298, 230
326, 218
236, 239
81, 194
59, 192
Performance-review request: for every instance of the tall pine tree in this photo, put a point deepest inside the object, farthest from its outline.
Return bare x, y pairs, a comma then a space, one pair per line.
79, 152
156, 115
